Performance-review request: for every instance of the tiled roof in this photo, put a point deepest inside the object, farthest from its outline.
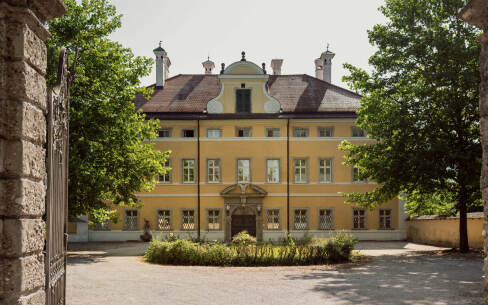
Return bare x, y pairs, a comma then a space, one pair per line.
296, 93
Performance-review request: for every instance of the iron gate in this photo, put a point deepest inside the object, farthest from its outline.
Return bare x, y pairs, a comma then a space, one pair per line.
57, 186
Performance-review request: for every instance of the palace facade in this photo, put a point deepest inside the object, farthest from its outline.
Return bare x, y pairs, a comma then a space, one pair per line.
255, 151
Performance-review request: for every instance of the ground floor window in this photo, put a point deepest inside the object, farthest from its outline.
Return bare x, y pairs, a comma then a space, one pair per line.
214, 220
301, 219
188, 220
273, 219
359, 219
326, 220
385, 219
164, 220
104, 226
130, 220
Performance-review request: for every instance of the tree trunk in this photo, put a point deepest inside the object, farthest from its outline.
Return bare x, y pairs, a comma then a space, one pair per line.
463, 223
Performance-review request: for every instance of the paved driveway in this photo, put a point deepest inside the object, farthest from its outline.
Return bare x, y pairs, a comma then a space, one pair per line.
398, 273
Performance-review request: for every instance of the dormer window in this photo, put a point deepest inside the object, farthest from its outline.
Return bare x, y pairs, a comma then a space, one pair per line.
243, 101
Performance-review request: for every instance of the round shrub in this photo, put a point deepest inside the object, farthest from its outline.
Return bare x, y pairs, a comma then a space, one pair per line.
243, 239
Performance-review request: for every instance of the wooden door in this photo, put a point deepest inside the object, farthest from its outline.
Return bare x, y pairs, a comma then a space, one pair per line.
243, 223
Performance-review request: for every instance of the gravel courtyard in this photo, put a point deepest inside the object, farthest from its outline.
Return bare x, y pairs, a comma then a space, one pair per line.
397, 273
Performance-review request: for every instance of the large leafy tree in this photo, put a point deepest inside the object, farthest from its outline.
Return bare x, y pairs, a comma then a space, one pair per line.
108, 160
421, 103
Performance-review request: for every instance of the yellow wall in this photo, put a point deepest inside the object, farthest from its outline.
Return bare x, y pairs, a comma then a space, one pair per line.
444, 232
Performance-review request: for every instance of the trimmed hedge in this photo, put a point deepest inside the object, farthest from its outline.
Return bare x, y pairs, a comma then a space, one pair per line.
185, 252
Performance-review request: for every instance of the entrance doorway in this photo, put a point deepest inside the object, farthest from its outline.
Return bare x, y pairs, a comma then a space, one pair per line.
243, 223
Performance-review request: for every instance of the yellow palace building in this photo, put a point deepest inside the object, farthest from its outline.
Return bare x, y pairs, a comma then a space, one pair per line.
254, 150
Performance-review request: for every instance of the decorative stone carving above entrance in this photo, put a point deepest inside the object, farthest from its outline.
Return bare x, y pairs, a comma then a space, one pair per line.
244, 201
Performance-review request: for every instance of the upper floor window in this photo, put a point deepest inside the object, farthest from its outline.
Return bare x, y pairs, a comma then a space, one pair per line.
213, 170
243, 171
165, 178
188, 170
300, 169
243, 101
188, 133
164, 133
243, 132
214, 133
325, 170
357, 132
300, 132
325, 131
356, 172
273, 171
272, 132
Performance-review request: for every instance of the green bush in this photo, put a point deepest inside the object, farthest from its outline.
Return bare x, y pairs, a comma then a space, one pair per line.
244, 252
243, 239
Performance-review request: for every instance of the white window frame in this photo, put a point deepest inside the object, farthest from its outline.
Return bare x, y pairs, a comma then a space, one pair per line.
170, 130
278, 171
210, 130
248, 129
298, 128
184, 218
267, 129
355, 176
214, 172
248, 170
126, 220
327, 129
365, 219
213, 220
187, 170
167, 163
166, 217
390, 216
357, 132
331, 226
300, 226
183, 129
303, 178
323, 167
275, 215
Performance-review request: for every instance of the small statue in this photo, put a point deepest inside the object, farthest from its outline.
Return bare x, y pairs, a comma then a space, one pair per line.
147, 236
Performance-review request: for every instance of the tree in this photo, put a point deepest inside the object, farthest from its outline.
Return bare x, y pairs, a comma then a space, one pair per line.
421, 103
108, 159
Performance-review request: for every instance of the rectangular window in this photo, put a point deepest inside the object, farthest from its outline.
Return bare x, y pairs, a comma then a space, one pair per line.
359, 219
188, 220
356, 171
326, 220
214, 133
213, 170
300, 132
300, 170
357, 132
188, 133
130, 220
301, 219
325, 170
325, 132
243, 171
243, 101
214, 220
165, 178
385, 219
188, 170
164, 220
164, 133
273, 132
243, 132
273, 171
273, 219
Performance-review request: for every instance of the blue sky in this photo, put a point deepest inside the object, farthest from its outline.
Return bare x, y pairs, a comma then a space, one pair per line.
296, 31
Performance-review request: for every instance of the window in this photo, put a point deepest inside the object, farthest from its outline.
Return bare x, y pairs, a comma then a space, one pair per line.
188, 220
300, 132
188, 170
301, 221
385, 219
357, 132
214, 133
325, 131
130, 220
243, 132
213, 170
300, 169
272, 171
163, 221
356, 172
165, 178
243, 101
272, 132
188, 133
164, 133
325, 170
213, 220
273, 219
359, 219
243, 171
326, 220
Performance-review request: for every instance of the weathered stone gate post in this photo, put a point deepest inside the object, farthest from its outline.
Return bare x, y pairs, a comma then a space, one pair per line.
476, 13
22, 147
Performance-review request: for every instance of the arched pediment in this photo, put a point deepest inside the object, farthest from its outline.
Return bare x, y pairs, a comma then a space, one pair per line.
243, 68
243, 189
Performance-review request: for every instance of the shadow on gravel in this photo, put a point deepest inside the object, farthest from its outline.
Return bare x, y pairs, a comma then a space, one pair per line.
407, 279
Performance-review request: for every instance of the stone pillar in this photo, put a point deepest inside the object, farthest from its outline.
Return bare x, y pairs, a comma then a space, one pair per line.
22, 147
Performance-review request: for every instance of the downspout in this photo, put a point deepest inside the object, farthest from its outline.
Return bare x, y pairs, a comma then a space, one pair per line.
198, 177
288, 176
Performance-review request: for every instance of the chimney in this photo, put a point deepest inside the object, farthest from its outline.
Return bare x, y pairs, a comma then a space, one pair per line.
318, 68
323, 66
162, 66
208, 65
276, 66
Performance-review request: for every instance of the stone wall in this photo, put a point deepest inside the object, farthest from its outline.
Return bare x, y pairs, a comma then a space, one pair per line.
22, 147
